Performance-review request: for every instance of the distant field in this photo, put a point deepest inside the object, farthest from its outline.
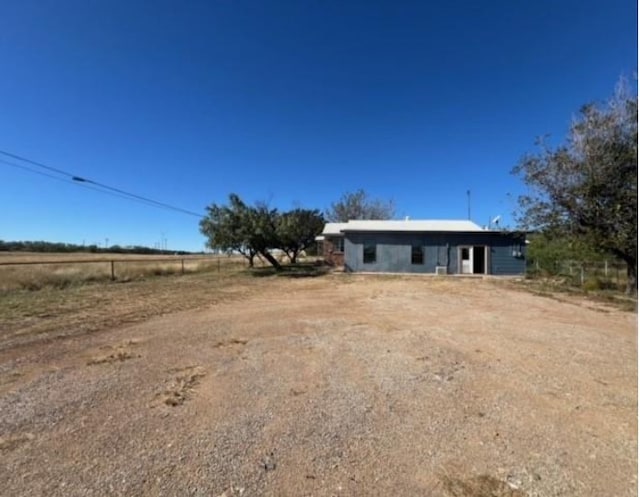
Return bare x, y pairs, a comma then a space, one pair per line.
66, 256
38, 270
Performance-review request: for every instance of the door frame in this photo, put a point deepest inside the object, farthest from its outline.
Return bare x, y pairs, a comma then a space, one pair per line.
487, 251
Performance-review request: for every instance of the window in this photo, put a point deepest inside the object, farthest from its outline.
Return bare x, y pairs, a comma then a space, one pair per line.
369, 252
339, 244
417, 254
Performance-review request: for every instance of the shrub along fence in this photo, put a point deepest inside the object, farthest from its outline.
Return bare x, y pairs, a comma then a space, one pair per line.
591, 275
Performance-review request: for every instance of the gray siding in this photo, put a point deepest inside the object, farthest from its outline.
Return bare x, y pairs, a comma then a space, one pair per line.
503, 261
393, 251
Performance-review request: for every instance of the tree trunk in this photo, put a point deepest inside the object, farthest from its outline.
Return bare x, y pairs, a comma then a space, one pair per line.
272, 260
290, 255
293, 257
249, 256
632, 278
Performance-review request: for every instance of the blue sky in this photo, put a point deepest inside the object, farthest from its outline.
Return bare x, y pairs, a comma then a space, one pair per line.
290, 102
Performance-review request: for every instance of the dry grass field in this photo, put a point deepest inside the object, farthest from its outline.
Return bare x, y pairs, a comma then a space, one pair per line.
225, 384
60, 270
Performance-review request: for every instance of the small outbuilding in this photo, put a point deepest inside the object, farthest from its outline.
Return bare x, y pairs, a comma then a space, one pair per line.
424, 246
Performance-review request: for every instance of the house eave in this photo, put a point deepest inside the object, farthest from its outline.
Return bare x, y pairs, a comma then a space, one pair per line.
439, 232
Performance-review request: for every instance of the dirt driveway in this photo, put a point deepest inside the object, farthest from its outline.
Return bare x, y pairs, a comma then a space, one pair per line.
340, 385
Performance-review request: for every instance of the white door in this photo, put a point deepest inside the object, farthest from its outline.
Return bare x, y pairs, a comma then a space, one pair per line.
466, 260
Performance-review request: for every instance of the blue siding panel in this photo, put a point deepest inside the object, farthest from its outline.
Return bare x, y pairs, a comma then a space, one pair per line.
393, 251
508, 255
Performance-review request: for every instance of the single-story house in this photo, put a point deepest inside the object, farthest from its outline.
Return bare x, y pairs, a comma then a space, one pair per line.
430, 246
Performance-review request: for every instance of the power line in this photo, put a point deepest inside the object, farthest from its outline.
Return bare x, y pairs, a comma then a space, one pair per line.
20, 166
39, 164
88, 187
58, 178
86, 182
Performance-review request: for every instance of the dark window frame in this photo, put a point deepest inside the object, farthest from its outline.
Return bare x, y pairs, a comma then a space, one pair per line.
369, 252
417, 250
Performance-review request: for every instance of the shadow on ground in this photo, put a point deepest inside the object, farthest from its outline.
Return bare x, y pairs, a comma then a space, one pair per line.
298, 270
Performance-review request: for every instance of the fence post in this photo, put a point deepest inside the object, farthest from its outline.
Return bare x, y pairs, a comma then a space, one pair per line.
537, 265
606, 268
581, 274
182, 265
113, 271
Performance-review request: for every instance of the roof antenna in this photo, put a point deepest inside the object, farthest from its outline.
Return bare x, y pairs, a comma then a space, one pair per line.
469, 205
496, 220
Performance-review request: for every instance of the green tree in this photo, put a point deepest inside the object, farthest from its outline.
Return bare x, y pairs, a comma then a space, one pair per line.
297, 230
358, 205
588, 187
237, 227
549, 250
263, 235
226, 230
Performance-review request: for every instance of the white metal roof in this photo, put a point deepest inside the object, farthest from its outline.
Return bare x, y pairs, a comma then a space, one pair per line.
438, 225
333, 228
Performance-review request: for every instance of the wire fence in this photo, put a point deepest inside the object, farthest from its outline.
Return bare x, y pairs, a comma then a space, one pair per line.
35, 272
587, 274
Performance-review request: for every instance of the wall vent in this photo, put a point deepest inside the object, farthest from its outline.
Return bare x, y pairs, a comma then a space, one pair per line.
441, 269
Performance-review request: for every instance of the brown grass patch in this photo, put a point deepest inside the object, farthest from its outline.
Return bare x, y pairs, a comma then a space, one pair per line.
182, 386
27, 316
479, 486
14, 441
229, 343
117, 356
120, 353
557, 289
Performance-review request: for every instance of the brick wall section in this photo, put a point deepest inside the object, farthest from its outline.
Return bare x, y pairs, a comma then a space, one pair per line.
330, 254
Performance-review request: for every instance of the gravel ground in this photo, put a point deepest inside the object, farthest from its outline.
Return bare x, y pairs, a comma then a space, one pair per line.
340, 385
